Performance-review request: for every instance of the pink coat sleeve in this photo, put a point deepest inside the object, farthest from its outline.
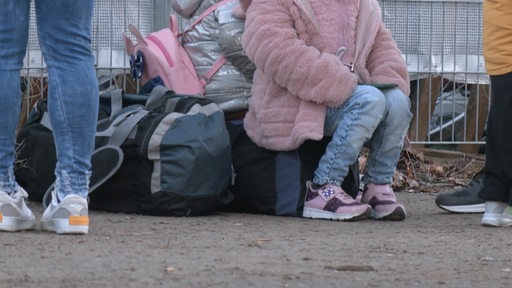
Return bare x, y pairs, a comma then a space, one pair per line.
276, 39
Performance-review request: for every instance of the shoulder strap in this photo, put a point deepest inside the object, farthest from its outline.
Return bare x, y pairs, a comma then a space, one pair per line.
204, 14
215, 67
105, 162
122, 126
116, 101
45, 121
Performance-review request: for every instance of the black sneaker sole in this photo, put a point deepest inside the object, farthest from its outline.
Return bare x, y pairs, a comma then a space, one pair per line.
472, 208
397, 215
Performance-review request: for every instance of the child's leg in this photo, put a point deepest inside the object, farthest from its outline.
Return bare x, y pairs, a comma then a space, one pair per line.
350, 125
387, 142
385, 147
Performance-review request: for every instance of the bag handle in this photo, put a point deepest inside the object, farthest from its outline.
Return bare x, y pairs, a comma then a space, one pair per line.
116, 101
155, 95
124, 124
125, 128
121, 128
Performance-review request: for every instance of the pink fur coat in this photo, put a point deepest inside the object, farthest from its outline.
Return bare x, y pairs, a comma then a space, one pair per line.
297, 77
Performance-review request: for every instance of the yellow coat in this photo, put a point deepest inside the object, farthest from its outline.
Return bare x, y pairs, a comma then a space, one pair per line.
497, 36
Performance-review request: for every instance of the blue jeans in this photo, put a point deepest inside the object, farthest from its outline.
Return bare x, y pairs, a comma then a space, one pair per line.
64, 31
379, 118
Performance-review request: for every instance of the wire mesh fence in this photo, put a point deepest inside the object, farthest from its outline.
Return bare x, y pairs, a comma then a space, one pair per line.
440, 41
442, 45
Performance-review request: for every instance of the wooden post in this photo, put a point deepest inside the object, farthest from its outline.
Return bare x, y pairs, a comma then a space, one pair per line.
423, 101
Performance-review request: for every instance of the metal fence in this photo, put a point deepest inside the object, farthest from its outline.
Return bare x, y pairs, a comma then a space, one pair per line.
442, 45
440, 41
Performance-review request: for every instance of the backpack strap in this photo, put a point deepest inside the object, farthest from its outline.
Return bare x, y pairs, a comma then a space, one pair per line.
204, 14
205, 78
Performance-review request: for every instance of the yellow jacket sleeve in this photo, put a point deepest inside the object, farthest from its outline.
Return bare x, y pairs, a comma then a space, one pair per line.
497, 36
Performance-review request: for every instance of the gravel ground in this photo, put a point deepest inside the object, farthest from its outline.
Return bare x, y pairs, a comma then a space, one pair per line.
431, 248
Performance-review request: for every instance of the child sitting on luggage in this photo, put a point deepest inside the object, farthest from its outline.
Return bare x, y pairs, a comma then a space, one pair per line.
330, 68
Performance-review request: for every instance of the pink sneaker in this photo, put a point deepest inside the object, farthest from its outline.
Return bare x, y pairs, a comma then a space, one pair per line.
331, 202
383, 201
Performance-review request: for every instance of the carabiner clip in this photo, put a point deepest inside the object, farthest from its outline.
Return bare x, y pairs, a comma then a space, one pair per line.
137, 65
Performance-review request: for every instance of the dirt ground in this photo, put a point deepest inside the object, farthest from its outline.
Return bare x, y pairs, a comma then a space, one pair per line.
431, 248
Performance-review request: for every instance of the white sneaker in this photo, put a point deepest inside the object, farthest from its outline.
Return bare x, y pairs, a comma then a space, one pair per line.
14, 213
69, 216
497, 214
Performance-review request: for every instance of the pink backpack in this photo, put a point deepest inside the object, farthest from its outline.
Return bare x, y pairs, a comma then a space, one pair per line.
162, 54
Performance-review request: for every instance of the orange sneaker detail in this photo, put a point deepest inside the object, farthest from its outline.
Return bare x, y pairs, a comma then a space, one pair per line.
78, 220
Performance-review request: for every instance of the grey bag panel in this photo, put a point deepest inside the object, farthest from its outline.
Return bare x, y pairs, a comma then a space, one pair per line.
177, 157
181, 139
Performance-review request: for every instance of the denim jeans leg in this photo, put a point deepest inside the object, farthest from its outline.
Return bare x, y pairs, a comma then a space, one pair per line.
387, 142
64, 31
350, 126
14, 16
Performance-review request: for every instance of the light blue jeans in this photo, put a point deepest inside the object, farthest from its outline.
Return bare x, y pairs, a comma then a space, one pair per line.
64, 31
379, 118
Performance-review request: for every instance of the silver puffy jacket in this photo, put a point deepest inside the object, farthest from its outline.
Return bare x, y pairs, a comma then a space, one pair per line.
218, 34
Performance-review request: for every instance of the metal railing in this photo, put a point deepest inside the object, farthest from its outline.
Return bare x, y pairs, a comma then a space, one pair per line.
442, 45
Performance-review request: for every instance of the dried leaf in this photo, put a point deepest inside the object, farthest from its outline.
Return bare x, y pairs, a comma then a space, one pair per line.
258, 242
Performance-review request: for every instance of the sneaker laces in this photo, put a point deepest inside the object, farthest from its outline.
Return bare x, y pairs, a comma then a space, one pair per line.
329, 192
345, 197
388, 195
382, 193
23, 192
19, 191
477, 179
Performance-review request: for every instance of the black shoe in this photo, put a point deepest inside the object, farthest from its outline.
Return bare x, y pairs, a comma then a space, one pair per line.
464, 200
